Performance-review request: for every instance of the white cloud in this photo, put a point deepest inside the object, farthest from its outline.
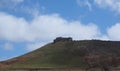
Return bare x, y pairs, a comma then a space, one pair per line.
44, 28
31, 9
8, 46
80, 3
111, 4
13, 28
34, 46
114, 32
86, 3
103, 37
54, 25
9, 3
18, 1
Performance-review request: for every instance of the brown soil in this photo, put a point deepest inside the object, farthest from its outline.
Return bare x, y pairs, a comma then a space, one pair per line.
56, 70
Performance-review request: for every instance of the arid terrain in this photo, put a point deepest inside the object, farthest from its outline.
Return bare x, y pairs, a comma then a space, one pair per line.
56, 70
65, 54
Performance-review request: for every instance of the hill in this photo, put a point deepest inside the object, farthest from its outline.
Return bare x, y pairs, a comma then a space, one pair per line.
66, 53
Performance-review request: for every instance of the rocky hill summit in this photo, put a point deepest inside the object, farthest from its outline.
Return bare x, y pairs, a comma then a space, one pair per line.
68, 53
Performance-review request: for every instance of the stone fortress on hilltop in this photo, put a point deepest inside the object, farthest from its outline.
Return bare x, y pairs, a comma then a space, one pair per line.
58, 39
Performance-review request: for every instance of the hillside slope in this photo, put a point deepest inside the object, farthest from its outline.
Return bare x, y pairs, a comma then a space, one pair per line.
70, 54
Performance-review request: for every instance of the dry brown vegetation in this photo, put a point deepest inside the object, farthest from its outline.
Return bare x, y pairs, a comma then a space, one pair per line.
90, 55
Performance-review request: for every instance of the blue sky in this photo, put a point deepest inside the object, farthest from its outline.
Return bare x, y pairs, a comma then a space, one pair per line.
26, 25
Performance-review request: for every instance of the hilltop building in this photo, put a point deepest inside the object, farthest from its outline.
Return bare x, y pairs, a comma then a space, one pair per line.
58, 39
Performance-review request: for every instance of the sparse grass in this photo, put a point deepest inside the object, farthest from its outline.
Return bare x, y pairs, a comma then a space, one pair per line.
67, 54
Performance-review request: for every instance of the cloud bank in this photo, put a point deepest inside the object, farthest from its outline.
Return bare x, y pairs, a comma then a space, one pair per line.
113, 5
86, 3
33, 46
9, 3
110, 4
44, 27
114, 32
